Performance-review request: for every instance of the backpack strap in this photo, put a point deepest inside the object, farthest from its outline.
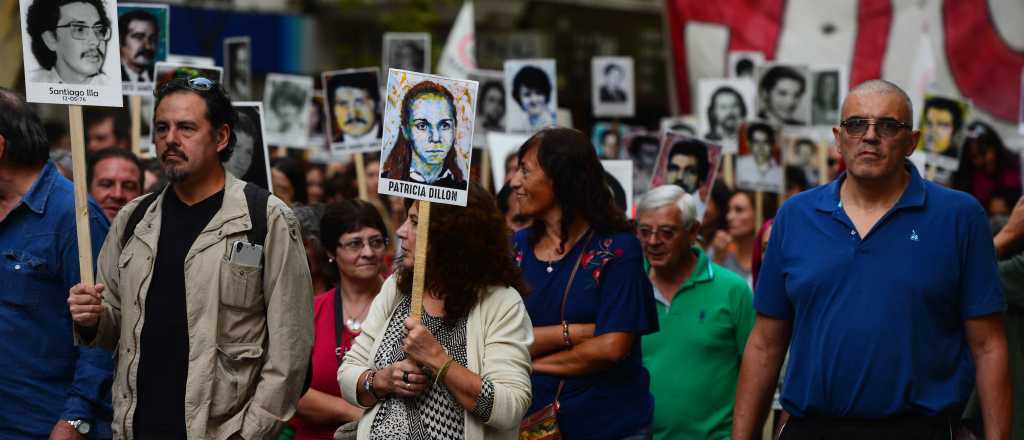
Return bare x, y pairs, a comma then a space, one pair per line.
136, 217
256, 197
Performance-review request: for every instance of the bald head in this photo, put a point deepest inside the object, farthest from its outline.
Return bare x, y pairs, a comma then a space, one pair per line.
882, 87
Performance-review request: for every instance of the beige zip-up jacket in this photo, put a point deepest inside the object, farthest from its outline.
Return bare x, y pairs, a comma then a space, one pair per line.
249, 335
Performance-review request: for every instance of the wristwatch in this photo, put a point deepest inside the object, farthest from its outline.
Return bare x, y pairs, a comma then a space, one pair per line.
81, 426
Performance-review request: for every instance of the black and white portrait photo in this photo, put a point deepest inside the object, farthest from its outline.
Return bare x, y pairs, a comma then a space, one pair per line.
612, 86
286, 101
353, 105
806, 149
238, 67
643, 148
828, 87
759, 164
249, 159
723, 105
531, 95
143, 31
73, 46
783, 94
743, 62
407, 51
490, 111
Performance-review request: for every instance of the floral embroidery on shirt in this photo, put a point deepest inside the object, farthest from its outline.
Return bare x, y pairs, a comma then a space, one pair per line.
595, 260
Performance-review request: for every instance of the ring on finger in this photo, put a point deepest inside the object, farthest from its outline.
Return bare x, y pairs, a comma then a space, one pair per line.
405, 376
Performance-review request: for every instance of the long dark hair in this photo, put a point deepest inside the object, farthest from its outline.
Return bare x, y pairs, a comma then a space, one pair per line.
397, 164
468, 251
578, 180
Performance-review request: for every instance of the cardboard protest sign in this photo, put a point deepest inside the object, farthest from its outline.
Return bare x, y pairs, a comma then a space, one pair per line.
759, 165
353, 105
531, 95
689, 163
612, 88
619, 177
943, 122
828, 87
723, 105
643, 147
407, 51
238, 67
782, 94
806, 149
503, 148
490, 112
428, 137
743, 62
70, 57
250, 160
146, 41
286, 101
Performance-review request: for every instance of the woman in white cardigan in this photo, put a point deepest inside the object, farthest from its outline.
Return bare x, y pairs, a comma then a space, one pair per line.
463, 372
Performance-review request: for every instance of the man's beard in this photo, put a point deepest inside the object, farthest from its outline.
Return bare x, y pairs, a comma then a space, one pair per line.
175, 175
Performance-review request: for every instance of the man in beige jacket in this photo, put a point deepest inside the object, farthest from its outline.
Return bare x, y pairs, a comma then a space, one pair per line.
212, 329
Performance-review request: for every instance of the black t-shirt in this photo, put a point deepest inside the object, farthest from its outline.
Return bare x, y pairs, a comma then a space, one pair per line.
163, 366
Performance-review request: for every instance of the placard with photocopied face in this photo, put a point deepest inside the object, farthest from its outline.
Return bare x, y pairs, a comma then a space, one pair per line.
531, 95
353, 107
146, 42
238, 67
503, 148
612, 91
250, 160
621, 183
407, 51
491, 109
759, 164
71, 57
286, 101
689, 163
783, 94
723, 105
427, 143
828, 90
742, 63
806, 149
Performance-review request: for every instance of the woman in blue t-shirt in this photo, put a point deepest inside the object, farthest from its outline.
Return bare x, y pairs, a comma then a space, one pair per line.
595, 348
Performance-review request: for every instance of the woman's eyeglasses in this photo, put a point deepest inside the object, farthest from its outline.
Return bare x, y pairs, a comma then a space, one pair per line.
356, 245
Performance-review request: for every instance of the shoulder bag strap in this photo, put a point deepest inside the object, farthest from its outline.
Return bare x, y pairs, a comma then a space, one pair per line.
565, 298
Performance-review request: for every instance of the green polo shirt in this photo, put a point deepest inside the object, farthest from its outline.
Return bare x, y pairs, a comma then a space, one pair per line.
694, 360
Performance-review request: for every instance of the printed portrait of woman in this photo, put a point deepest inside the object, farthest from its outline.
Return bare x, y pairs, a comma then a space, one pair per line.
424, 151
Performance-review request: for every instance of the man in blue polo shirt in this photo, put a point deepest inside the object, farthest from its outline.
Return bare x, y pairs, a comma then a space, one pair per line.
884, 288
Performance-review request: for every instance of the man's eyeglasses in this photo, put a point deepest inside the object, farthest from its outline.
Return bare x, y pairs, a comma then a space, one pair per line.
887, 128
356, 245
79, 31
663, 233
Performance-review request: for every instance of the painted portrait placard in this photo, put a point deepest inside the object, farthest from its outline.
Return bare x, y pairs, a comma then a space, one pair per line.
353, 104
943, 125
71, 56
145, 40
689, 163
531, 95
427, 143
612, 86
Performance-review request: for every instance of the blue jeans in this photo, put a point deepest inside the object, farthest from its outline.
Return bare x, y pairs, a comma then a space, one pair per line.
641, 434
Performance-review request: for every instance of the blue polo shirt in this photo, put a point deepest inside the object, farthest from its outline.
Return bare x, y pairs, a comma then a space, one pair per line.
878, 320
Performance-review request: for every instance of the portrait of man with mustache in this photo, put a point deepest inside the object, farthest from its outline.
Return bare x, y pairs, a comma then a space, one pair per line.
353, 108
139, 31
69, 40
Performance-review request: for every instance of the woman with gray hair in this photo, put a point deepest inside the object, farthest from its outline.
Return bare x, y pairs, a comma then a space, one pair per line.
711, 316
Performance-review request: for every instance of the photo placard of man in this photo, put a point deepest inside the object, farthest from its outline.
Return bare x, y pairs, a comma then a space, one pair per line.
758, 168
203, 289
407, 51
353, 105
612, 91
705, 314
942, 133
829, 87
491, 108
743, 62
51, 388
689, 163
782, 97
724, 105
906, 265
143, 31
65, 46
238, 66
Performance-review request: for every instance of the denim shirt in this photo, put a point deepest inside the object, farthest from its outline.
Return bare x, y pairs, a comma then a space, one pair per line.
44, 377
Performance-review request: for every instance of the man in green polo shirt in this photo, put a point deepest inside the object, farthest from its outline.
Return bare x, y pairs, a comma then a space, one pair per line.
705, 313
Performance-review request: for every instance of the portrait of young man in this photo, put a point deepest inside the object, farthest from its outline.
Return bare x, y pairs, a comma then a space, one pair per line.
69, 41
724, 104
758, 167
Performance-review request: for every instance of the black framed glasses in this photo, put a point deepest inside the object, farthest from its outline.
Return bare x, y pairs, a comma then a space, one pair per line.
356, 245
664, 233
79, 31
886, 127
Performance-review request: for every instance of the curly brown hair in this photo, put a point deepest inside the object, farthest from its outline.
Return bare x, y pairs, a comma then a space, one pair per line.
469, 250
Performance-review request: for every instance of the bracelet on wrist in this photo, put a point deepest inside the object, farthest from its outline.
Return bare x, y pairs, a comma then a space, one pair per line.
565, 334
368, 385
441, 372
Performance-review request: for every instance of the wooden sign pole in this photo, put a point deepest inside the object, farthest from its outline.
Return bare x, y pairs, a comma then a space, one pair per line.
77, 132
135, 104
758, 210
419, 272
727, 170
485, 169
361, 177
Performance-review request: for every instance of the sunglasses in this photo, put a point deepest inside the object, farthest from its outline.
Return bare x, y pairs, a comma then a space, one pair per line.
887, 128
